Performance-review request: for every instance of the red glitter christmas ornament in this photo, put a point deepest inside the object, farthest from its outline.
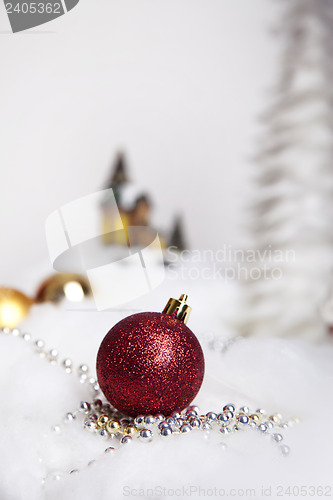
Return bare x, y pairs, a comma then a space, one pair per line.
151, 363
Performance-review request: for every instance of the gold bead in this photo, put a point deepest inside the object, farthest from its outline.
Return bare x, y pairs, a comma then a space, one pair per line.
130, 430
113, 426
102, 421
276, 419
255, 417
14, 307
72, 287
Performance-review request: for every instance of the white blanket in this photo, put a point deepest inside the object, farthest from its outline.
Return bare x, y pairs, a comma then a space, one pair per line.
286, 376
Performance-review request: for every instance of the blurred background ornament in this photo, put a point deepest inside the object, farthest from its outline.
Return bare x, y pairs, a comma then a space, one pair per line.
69, 286
292, 210
14, 307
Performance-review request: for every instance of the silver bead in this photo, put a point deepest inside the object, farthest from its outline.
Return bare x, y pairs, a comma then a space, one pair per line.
166, 431
6, 331
225, 430
194, 408
83, 378
103, 433
211, 416
175, 414
125, 440
252, 424
205, 426
110, 449
92, 381
159, 418
16, 332
179, 422
124, 422
243, 419
53, 356
260, 411
97, 404
185, 428
69, 417
223, 418
195, 422
229, 407
163, 424
83, 369
171, 421
67, 364
277, 438
26, 337
269, 424
56, 429
262, 428
285, 450
284, 425
139, 421
85, 406
39, 345
191, 413
96, 388
149, 420
89, 425
244, 409
146, 435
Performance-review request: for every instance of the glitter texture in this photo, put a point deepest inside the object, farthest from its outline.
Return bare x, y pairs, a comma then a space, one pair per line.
150, 363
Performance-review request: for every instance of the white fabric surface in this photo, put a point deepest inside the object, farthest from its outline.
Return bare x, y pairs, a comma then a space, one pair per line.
291, 377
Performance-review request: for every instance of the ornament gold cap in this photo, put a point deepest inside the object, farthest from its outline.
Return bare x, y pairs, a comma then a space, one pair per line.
177, 308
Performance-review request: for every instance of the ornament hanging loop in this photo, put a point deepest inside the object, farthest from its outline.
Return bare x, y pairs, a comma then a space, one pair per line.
177, 308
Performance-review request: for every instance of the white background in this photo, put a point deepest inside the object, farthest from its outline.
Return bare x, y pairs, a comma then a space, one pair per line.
177, 83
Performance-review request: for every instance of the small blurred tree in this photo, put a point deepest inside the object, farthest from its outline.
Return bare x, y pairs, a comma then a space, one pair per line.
177, 235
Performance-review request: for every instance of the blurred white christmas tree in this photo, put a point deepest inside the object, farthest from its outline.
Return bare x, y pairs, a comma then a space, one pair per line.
293, 207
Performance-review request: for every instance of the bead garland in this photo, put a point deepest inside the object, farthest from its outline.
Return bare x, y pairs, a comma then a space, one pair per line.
101, 418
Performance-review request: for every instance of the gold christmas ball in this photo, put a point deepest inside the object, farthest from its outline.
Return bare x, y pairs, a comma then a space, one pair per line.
72, 287
14, 307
